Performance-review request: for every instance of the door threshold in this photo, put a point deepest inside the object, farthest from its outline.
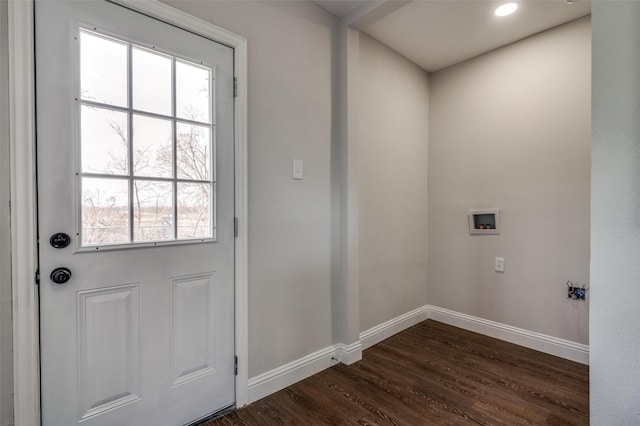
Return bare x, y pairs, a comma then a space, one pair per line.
213, 416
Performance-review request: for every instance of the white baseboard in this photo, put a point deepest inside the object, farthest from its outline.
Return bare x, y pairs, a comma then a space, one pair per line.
288, 374
348, 354
529, 339
387, 329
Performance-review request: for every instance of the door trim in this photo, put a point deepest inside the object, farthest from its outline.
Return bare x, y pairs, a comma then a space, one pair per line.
26, 357
23, 196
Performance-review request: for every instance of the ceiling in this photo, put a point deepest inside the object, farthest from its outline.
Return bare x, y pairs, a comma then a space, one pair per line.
436, 34
339, 7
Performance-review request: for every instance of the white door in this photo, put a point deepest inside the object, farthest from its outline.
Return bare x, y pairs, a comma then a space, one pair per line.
135, 165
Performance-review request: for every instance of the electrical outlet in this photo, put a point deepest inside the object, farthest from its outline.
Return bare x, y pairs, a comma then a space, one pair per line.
576, 293
499, 266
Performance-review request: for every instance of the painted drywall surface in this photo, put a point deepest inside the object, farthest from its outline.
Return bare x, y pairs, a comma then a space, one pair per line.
511, 130
393, 118
6, 333
345, 290
615, 207
290, 117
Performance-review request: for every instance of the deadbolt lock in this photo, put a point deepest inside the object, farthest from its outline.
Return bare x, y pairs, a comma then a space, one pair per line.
60, 240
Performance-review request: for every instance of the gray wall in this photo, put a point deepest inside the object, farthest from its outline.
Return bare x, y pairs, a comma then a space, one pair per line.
511, 130
393, 115
290, 116
534, 166
615, 208
6, 332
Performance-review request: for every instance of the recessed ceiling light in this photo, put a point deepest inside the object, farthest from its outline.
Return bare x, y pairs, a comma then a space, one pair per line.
506, 9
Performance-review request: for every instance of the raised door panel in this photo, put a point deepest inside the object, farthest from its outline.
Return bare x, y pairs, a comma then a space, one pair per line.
108, 349
193, 328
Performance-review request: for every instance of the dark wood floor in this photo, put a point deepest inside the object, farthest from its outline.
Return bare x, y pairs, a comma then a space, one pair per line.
432, 374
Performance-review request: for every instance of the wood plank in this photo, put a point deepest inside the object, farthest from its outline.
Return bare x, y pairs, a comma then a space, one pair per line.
432, 374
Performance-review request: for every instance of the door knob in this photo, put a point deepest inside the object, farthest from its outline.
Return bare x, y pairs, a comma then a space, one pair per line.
60, 275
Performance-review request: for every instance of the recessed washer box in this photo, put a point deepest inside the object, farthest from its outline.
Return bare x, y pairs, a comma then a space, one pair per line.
484, 222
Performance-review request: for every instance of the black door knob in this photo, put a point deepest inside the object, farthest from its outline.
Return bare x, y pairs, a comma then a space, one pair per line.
60, 275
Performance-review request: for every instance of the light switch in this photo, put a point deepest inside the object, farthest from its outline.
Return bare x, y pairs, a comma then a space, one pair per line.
499, 264
298, 170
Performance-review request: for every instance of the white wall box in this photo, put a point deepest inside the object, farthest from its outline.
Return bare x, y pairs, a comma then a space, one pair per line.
484, 222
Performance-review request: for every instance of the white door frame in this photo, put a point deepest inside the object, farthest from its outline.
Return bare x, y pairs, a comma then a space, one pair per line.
26, 360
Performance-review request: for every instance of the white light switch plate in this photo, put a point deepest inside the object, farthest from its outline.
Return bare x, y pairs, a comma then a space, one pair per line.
499, 264
297, 171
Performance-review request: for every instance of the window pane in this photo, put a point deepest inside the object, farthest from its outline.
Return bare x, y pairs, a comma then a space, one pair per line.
104, 141
194, 210
105, 211
193, 152
152, 147
152, 210
151, 82
154, 159
103, 70
193, 92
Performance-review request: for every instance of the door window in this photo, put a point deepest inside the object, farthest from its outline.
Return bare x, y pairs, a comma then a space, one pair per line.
147, 145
